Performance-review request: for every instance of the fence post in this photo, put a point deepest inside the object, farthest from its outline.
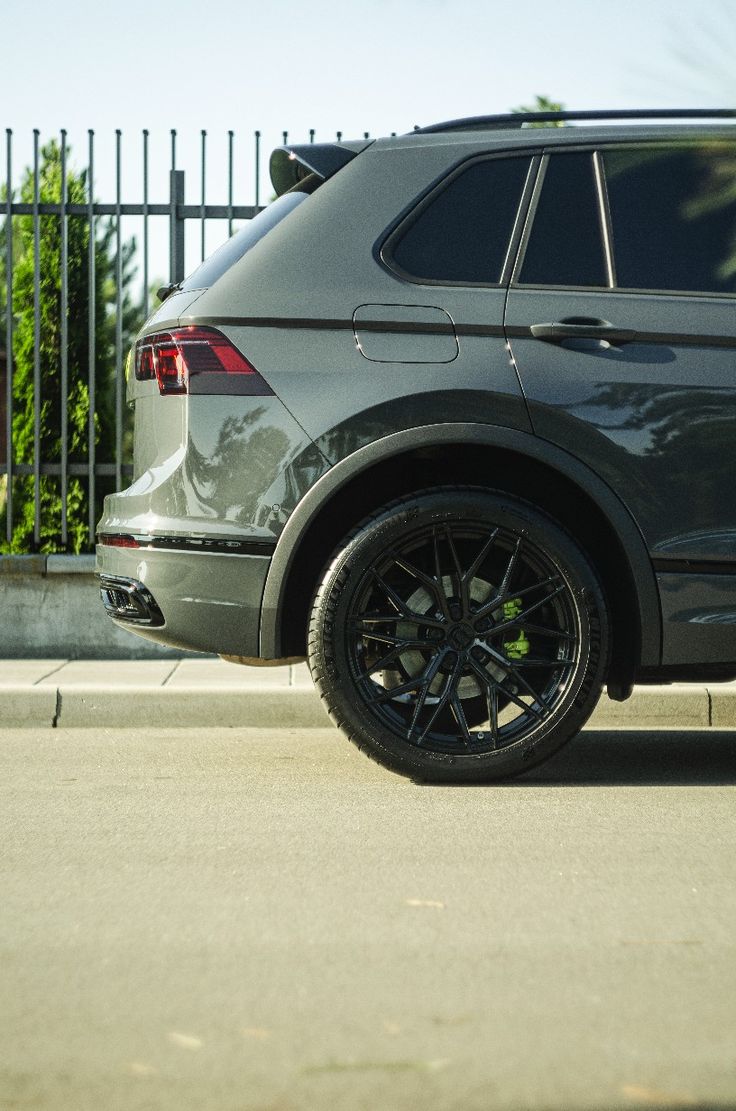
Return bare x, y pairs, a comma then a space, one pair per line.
9, 339
176, 226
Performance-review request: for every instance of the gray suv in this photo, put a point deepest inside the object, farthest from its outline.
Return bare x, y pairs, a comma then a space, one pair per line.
455, 418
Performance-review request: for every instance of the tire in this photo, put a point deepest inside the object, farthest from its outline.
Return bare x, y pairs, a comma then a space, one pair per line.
459, 635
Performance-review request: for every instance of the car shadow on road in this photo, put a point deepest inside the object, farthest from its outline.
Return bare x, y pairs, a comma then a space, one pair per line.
640, 758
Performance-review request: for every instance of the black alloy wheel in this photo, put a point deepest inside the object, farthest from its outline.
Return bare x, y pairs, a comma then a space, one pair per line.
459, 635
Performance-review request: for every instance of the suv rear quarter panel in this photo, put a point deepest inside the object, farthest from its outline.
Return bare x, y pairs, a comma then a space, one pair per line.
290, 303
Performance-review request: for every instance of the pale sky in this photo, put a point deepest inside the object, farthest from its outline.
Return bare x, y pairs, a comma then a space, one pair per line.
353, 65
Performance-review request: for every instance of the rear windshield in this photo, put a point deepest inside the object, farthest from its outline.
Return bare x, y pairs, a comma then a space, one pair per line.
228, 254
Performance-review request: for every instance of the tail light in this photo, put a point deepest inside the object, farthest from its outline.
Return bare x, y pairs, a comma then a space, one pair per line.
195, 360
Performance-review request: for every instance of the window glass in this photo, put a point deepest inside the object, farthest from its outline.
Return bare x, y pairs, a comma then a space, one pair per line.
673, 213
566, 243
463, 233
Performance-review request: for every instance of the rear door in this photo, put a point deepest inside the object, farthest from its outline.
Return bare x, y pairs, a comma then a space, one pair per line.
621, 318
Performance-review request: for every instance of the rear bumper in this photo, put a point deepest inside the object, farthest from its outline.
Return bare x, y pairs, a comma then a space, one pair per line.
196, 600
129, 602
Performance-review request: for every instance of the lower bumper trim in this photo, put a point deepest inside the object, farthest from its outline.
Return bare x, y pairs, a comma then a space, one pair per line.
130, 601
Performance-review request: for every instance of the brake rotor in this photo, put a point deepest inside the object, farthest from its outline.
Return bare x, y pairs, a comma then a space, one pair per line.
413, 661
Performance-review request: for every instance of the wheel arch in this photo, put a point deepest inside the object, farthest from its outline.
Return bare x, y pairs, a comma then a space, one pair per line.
511, 461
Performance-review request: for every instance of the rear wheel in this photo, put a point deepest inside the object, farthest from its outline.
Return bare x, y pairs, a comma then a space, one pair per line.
459, 635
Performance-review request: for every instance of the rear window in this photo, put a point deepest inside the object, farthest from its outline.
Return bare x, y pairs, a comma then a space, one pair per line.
229, 253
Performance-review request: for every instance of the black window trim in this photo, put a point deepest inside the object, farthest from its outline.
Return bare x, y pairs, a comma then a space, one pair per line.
408, 217
531, 213
598, 149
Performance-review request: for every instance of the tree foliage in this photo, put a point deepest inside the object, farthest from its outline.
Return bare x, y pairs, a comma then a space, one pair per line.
50, 355
543, 104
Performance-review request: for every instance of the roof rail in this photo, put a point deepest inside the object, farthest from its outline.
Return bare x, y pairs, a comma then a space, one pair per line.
519, 119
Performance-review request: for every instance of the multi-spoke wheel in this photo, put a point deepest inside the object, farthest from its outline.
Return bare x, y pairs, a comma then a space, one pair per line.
459, 635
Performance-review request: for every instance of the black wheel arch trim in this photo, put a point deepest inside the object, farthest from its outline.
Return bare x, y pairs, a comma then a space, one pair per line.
523, 443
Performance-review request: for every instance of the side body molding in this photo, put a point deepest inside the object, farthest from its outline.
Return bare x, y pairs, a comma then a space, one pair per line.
493, 436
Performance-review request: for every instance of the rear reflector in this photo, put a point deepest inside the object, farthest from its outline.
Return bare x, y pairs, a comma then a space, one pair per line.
196, 360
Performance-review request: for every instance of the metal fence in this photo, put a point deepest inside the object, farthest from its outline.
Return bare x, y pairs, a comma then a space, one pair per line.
162, 198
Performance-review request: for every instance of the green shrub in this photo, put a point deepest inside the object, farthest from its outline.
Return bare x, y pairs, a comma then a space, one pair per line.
50, 358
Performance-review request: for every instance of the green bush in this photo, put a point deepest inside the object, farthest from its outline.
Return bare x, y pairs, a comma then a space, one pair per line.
50, 358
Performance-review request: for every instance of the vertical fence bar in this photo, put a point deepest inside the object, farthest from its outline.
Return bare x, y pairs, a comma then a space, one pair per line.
118, 319
36, 347
176, 227
230, 183
91, 344
64, 229
202, 206
172, 213
9, 336
177, 267
176, 219
258, 168
145, 224
202, 201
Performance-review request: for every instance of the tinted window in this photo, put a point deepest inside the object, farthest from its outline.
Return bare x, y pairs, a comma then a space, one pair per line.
463, 233
673, 213
566, 242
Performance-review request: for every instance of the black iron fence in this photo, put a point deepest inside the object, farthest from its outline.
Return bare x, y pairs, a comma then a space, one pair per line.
50, 203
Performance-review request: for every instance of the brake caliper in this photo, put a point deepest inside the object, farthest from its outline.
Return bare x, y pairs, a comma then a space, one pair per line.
519, 648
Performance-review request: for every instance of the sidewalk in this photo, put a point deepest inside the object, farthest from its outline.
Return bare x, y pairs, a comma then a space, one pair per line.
201, 692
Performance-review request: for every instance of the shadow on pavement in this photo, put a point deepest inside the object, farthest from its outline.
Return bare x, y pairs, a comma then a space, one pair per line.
648, 758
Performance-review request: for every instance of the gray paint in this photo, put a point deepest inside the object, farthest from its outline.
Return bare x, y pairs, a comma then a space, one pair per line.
230, 467
210, 602
656, 420
699, 618
432, 338
647, 429
360, 460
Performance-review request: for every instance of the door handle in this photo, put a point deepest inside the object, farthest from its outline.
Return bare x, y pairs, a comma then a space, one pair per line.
582, 327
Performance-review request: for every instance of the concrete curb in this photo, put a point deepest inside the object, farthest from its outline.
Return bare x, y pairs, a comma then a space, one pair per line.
289, 708
21, 707
156, 707
196, 694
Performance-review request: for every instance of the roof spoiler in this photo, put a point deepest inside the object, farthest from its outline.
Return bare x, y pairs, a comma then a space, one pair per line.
291, 164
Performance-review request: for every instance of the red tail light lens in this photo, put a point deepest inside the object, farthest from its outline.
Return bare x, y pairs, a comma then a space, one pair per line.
196, 360
117, 540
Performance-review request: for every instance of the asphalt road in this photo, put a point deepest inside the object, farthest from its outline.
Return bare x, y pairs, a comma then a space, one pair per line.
226, 920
